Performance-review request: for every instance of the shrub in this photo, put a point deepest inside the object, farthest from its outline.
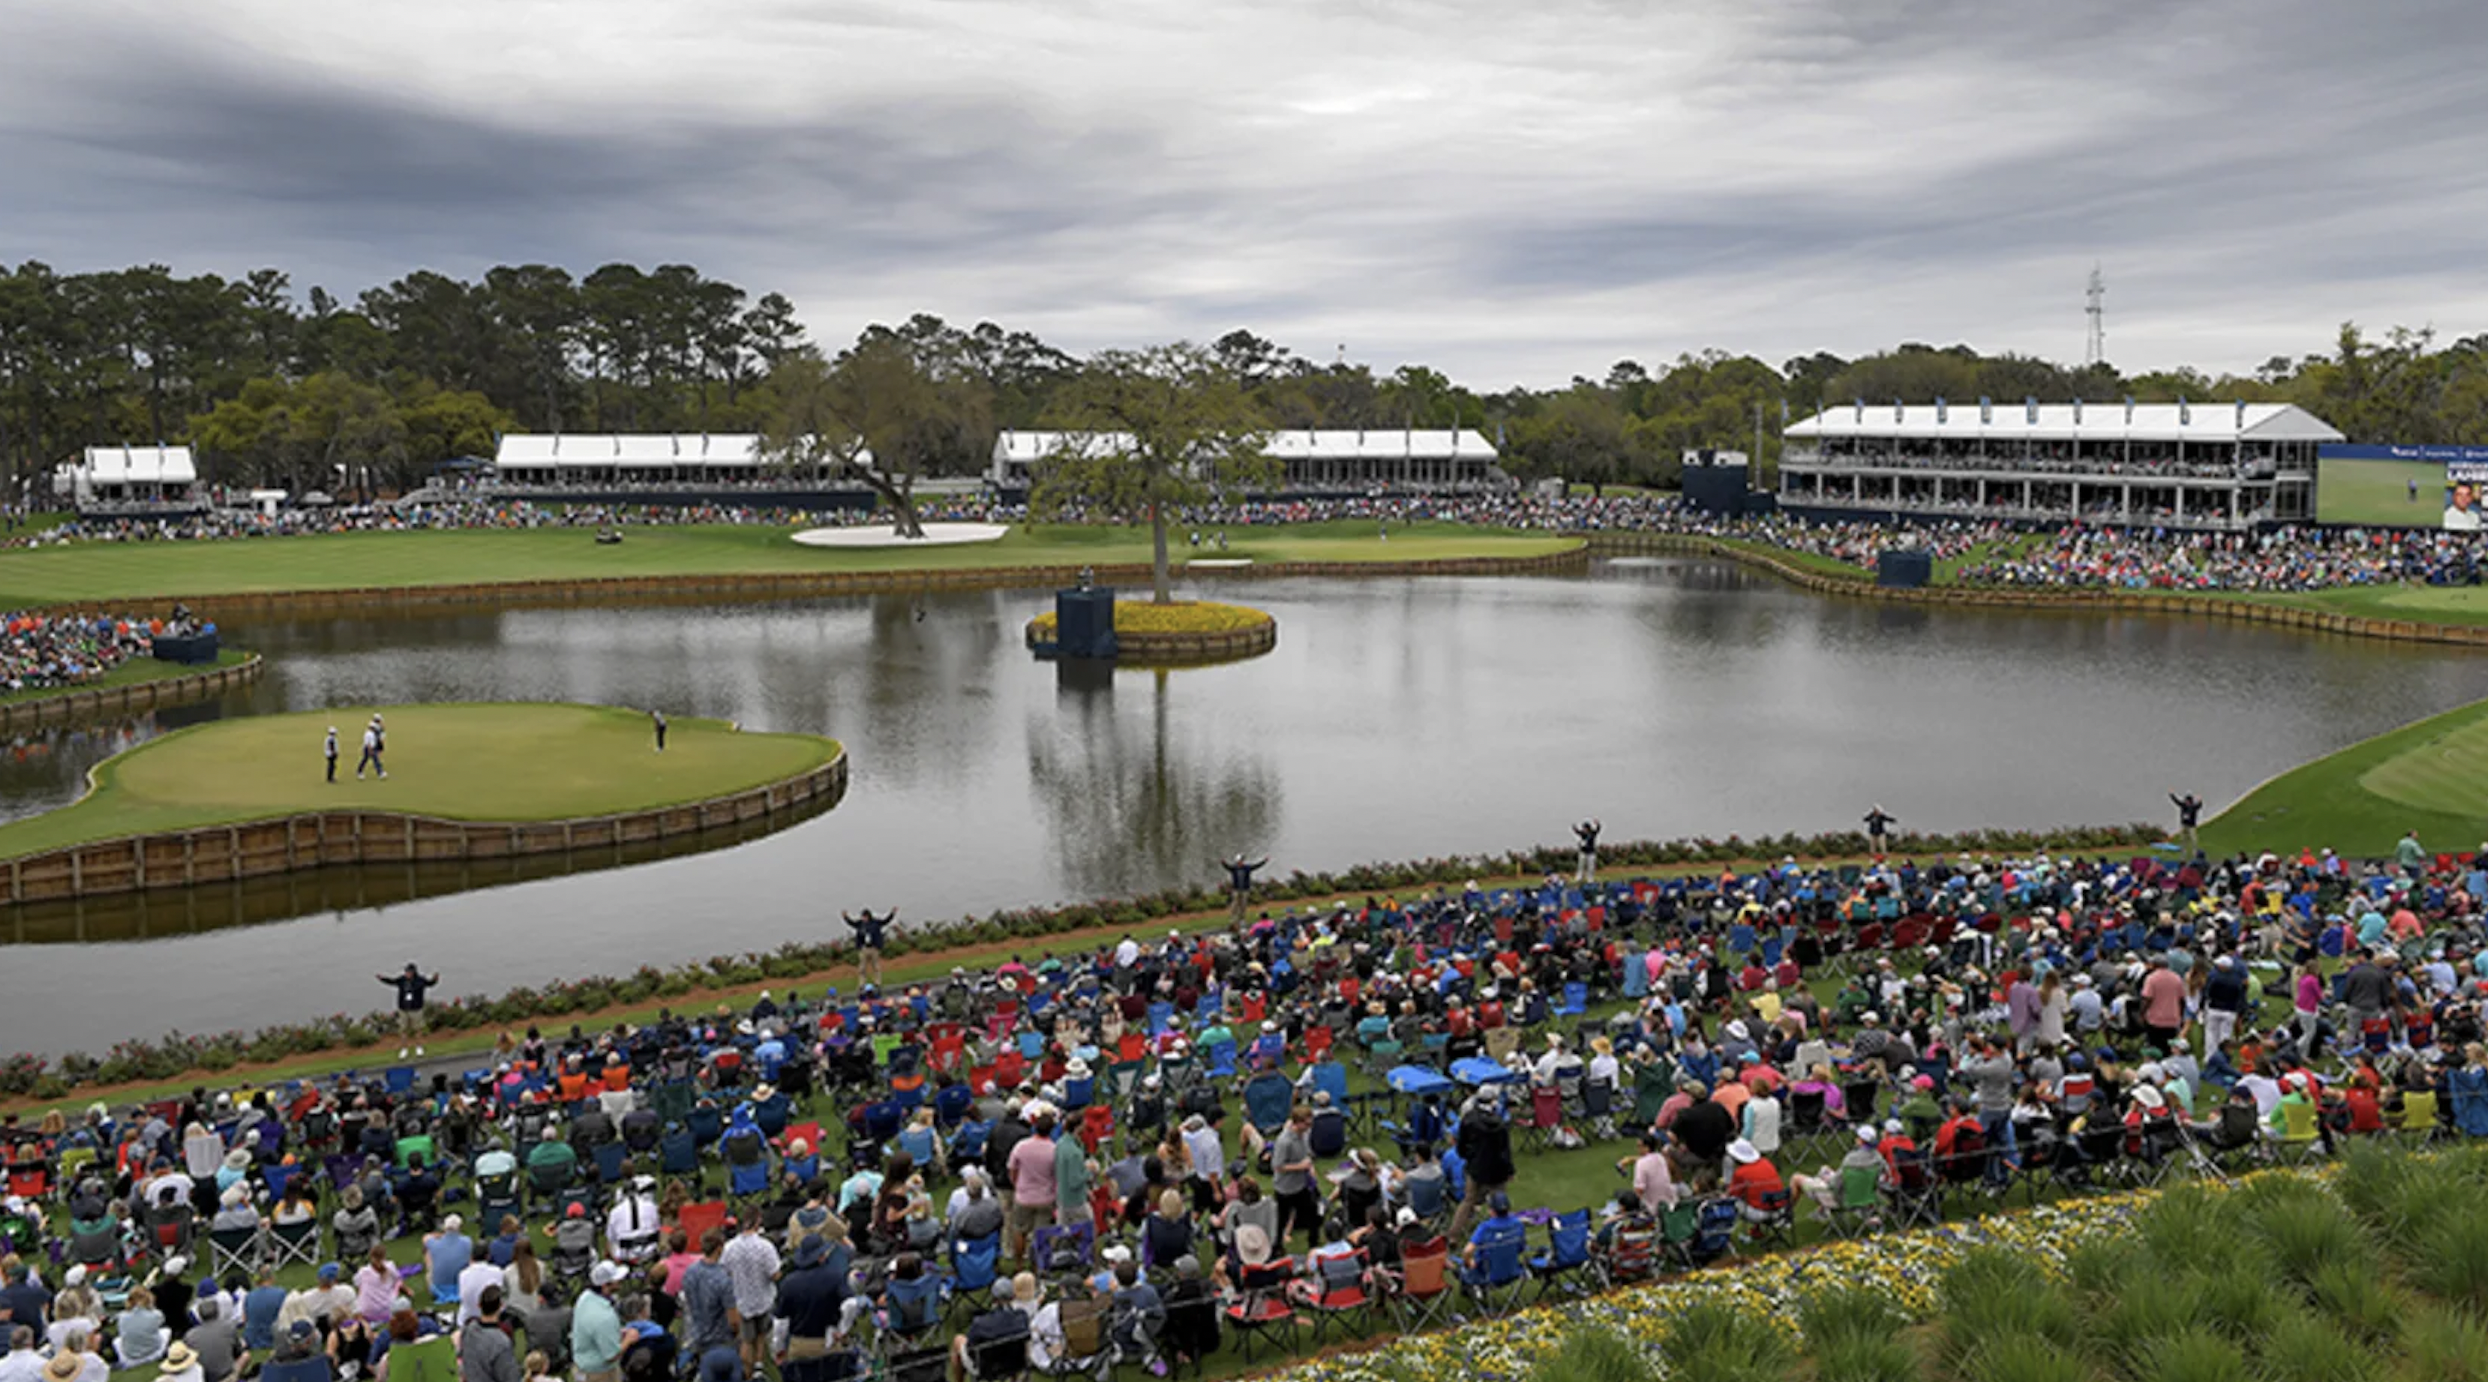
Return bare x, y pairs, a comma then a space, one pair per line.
2304, 1348
2196, 1355
1719, 1343
2444, 1344
1993, 1294
1844, 1314
2014, 1356
1594, 1355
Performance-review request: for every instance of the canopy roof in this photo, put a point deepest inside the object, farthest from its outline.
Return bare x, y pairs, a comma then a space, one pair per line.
2201, 423
1422, 444
140, 465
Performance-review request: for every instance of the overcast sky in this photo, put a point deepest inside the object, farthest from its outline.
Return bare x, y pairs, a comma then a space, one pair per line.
1513, 192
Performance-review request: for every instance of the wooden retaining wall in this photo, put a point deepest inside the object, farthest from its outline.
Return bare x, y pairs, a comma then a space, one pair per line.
799, 584
104, 702
2241, 610
229, 853
1177, 649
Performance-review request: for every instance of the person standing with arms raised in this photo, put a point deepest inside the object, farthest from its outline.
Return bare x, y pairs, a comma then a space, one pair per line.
2189, 815
1240, 871
1587, 833
1879, 822
411, 985
870, 934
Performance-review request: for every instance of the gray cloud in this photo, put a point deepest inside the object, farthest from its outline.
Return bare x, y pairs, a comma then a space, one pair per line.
1507, 192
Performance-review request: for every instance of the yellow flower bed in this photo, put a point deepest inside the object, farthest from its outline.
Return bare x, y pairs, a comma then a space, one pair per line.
1183, 616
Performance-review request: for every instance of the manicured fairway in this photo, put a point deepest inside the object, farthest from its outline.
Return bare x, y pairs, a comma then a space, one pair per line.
493, 762
103, 572
2431, 776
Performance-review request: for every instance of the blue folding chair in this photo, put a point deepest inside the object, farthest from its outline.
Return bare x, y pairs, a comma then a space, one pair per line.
1267, 1099
1077, 1094
951, 1105
1567, 1253
398, 1079
678, 1152
1502, 1270
1221, 1058
1576, 1000
975, 1264
1331, 1078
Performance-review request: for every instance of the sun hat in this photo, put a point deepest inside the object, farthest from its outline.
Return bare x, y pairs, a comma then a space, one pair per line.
1743, 1150
605, 1274
810, 1251
2148, 1097
1252, 1244
1866, 1133
237, 1160
179, 1357
1892, 1127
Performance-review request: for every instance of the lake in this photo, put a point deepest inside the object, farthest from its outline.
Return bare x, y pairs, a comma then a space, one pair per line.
1397, 719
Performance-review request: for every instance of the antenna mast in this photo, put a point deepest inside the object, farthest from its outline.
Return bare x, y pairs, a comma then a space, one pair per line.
2097, 311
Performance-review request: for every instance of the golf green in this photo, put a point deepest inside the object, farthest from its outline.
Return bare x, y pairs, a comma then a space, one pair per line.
485, 762
2361, 800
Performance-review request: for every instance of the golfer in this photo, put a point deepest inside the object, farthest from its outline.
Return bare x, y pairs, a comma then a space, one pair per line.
332, 753
373, 743
1240, 883
658, 717
411, 985
869, 931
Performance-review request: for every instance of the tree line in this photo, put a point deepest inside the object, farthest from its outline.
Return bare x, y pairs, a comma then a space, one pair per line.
296, 390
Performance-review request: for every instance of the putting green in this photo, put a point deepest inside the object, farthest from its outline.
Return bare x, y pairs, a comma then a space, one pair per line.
483, 762
2431, 777
2447, 772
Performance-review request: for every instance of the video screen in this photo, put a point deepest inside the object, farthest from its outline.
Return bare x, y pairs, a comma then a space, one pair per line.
2391, 492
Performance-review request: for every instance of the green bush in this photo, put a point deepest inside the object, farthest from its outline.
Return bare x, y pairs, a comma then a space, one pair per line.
1594, 1355
1993, 1294
2015, 1356
2196, 1355
2441, 1343
1718, 1343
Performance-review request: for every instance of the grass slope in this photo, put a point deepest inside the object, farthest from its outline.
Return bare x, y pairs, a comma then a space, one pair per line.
495, 762
102, 572
2361, 799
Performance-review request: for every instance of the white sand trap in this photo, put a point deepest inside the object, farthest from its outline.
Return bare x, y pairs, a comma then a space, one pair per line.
935, 535
1217, 563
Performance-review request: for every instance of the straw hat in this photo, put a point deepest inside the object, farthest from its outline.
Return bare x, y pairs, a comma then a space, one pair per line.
179, 1357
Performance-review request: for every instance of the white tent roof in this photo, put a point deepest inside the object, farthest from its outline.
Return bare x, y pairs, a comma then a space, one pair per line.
2204, 423
628, 449
1424, 444
141, 465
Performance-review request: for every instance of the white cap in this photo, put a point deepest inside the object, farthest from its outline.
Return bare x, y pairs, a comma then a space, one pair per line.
605, 1274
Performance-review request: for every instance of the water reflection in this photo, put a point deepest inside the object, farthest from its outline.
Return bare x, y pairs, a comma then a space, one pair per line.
1130, 800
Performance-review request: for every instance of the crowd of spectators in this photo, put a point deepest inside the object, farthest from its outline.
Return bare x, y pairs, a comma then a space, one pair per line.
43, 651
1155, 1149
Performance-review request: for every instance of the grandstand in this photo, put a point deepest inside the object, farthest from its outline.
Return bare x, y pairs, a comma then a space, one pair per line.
130, 481
1339, 461
631, 458
2218, 466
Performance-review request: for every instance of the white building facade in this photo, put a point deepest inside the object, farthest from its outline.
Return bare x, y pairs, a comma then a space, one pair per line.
2222, 466
1339, 460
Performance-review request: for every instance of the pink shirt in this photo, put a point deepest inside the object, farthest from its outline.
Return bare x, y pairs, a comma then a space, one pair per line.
2164, 997
1032, 1172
